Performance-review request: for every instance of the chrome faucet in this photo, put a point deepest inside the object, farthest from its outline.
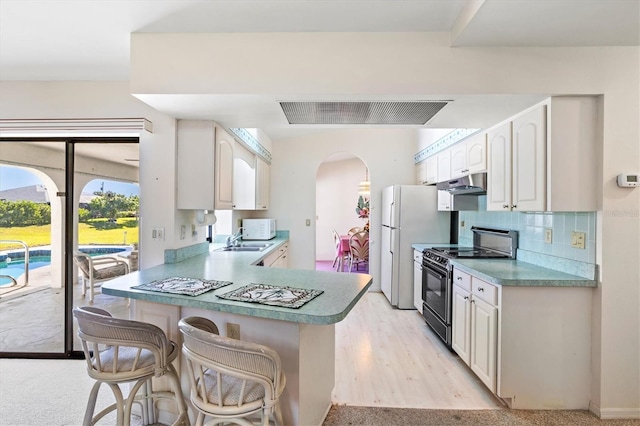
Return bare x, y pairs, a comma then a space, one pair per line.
232, 240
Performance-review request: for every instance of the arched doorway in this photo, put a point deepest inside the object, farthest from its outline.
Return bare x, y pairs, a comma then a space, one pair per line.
337, 200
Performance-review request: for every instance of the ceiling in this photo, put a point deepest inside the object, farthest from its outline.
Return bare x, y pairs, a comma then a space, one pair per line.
89, 39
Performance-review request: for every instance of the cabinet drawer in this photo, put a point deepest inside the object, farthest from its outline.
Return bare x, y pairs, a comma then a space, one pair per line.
462, 279
485, 291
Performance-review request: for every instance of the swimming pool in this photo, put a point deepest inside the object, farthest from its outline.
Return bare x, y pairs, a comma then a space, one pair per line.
12, 262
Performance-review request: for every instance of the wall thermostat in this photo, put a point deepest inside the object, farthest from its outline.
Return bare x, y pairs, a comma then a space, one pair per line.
627, 181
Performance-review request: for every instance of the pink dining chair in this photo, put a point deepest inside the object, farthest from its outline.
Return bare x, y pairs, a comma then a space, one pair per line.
342, 257
359, 249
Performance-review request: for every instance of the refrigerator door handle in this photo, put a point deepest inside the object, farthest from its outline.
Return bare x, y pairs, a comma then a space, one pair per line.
392, 240
392, 219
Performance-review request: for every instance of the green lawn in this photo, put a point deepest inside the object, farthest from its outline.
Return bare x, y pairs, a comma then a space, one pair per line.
98, 231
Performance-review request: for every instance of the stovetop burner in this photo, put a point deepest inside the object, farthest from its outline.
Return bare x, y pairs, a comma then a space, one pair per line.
468, 252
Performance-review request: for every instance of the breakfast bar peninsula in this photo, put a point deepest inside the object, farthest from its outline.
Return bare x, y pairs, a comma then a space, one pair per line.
303, 336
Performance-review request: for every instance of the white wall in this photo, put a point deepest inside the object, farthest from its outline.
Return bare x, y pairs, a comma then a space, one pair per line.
336, 201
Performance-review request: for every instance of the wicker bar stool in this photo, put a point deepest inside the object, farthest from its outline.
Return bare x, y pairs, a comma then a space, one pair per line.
121, 351
230, 379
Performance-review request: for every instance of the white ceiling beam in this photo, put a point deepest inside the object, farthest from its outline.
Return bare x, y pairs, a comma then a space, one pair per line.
465, 16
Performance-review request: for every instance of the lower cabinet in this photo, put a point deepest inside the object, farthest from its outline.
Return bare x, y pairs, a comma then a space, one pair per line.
475, 326
530, 345
279, 258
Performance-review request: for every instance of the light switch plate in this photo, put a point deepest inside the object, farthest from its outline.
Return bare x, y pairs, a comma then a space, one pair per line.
577, 239
548, 235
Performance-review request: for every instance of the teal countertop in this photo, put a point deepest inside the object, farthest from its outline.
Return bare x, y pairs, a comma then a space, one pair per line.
341, 291
518, 273
508, 272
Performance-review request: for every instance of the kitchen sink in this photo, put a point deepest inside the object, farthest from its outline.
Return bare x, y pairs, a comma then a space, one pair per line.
247, 247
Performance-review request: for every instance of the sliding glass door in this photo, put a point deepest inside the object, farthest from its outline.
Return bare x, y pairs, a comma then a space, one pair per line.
59, 196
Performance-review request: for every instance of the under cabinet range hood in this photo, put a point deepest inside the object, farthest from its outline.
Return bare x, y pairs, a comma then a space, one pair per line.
470, 184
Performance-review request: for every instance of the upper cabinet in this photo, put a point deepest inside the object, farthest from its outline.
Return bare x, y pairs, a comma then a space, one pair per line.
444, 165
544, 158
476, 146
250, 180
224, 170
458, 160
263, 179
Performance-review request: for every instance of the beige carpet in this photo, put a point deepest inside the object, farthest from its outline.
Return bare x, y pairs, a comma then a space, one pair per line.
54, 393
375, 416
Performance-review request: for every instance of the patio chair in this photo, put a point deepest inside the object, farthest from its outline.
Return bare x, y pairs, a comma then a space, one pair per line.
230, 379
120, 351
97, 270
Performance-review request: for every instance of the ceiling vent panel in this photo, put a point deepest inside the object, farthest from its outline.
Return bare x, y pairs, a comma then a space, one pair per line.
413, 112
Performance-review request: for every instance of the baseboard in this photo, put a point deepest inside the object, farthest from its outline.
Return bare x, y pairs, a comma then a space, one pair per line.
614, 413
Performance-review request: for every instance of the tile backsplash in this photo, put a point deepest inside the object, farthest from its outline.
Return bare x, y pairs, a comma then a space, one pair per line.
531, 230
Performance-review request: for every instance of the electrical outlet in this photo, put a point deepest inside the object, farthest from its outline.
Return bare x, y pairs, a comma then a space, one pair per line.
233, 330
157, 234
308, 222
548, 235
577, 239
183, 231
462, 224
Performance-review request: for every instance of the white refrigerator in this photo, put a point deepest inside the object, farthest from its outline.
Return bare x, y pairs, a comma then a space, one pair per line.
409, 215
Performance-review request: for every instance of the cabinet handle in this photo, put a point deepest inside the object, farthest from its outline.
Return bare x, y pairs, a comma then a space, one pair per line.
473, 301
480, 289
466, 298
505, 206
459, 278
514, 206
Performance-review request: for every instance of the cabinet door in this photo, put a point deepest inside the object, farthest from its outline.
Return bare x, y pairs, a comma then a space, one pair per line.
477, 154
417, 283
224, 170
444, 201
421, 173
529, 161
444, 165
461, 323
432, 169
244, 183
459, 160
499, 168
484, 341
263, 173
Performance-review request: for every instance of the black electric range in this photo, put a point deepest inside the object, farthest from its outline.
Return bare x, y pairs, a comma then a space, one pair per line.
437, 280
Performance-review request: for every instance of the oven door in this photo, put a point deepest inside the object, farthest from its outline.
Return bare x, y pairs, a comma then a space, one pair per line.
435, 290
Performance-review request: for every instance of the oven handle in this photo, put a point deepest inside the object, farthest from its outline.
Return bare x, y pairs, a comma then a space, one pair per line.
439, 272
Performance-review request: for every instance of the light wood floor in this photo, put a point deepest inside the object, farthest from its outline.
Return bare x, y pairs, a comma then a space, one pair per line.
387, 357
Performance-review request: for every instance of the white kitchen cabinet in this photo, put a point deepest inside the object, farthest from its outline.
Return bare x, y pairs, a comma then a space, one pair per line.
432, 169
263, 180
421, 173
417, 280
461, 316
484, 339
476, 146
531, 346
475, 326
250, 180
195, 159
445, 200
517, 163
244, 179
459, 160
444, 165
223, 170
544, 158
279, 258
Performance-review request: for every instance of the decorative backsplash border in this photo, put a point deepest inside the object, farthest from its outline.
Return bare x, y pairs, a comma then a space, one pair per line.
444, 142
252, 143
